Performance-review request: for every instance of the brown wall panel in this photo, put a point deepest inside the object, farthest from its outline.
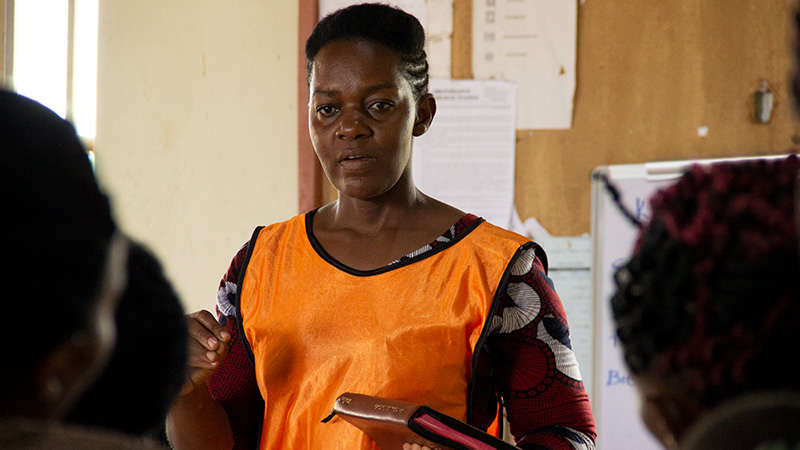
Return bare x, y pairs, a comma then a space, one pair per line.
3, 39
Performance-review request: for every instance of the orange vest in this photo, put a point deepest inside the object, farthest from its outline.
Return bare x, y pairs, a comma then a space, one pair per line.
317, 329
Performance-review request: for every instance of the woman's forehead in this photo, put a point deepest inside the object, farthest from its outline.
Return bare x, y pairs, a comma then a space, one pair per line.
349, 66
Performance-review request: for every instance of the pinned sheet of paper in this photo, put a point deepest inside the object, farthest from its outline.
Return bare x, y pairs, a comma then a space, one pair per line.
533, 43
467, 157
439, 35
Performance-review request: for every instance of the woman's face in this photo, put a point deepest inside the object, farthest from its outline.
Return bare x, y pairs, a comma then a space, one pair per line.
362, 115
62, 375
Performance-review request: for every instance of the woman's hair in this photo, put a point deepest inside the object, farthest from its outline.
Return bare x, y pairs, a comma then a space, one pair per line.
382, 24
129, 395
710, 300
55, 233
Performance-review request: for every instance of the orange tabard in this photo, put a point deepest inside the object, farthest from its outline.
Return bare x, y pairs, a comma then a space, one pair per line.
407, 332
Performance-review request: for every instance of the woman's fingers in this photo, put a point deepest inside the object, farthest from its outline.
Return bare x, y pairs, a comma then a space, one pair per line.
204, 328
208, 345
408, 446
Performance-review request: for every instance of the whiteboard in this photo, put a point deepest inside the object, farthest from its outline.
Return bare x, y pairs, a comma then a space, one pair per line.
614, 401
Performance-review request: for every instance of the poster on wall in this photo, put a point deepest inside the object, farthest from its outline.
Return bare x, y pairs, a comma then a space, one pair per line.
532, 43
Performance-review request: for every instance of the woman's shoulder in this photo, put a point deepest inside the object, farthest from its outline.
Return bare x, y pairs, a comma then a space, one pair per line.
763, 420
526, 250
504, 234
298, 221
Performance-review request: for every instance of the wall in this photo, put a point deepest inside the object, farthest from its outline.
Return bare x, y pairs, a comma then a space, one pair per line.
197, 128
3, 41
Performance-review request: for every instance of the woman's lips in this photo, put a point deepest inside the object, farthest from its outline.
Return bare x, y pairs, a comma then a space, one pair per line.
356, 162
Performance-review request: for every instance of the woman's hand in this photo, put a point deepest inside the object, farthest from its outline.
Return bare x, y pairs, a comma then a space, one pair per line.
196, 421
408, 446
208, 346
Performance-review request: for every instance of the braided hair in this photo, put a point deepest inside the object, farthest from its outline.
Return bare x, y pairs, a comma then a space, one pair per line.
382, 24
709, 301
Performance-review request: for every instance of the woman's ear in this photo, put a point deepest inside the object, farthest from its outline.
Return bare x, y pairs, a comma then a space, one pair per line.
655, 420
426, 109
665, 411
64, 375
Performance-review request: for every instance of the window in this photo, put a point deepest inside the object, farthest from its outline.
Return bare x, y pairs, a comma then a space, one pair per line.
51, 56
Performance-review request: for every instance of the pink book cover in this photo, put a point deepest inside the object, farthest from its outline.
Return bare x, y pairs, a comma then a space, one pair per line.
391, 423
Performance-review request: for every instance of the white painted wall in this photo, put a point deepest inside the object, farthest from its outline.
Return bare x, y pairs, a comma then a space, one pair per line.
196, 127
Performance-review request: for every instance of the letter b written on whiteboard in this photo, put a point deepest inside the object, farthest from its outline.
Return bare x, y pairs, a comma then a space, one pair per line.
617, 378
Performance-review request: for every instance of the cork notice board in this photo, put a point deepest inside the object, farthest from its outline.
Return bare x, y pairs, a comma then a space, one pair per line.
649, 76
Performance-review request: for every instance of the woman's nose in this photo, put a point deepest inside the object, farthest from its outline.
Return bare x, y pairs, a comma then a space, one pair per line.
352, 126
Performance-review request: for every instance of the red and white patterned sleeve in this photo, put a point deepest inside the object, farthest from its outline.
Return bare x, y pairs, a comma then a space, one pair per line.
234, 383
534, 366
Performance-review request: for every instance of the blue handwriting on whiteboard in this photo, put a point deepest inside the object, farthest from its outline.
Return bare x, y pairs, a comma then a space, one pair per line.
640, 204
617, 378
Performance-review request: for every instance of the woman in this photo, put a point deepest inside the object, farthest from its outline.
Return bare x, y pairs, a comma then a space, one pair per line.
707, 308
385, 291
65, 262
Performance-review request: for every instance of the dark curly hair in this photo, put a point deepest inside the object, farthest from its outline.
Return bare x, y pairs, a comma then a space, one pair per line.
382, 24
710, 299
56, 229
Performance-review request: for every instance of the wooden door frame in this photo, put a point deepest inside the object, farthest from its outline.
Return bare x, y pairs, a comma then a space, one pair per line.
309, 171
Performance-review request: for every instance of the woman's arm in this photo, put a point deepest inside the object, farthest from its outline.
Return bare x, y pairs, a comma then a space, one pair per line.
197, 421
225, 401
534, 367
234, 387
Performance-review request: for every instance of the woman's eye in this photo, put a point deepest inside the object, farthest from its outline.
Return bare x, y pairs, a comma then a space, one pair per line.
326, 110
380, 106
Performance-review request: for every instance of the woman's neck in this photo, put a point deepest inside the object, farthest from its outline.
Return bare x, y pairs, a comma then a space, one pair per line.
365, 235
373, 216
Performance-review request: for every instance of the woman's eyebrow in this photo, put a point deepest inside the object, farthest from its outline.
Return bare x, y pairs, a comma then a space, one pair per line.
367, 91
327, 92
378, 87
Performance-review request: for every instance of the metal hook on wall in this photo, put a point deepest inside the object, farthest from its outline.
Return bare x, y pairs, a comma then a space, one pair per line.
763, 103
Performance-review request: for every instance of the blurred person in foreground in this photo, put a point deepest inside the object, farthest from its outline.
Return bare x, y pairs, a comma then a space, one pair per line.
135, 390
707, 309
63, 276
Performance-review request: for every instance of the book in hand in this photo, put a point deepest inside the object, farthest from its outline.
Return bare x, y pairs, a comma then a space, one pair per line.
392, 423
